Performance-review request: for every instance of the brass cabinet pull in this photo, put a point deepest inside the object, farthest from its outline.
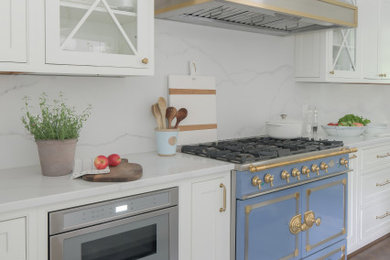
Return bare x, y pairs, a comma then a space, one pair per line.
384, 215
145, 60
383, 184
223, 209
310, 219
331, 72
381, 156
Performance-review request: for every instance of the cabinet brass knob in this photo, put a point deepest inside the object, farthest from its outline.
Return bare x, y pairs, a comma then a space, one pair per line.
145, 61
331, 72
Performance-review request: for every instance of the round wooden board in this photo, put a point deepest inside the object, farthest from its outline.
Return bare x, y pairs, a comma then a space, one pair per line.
123, 172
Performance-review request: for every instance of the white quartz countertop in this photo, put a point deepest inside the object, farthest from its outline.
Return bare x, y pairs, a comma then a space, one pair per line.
26, 187
360, 140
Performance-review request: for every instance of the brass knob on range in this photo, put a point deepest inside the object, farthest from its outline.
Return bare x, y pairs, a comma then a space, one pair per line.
344, 162
316, 169
285, 176
256, 181
296, 173
268, 178
145, 60
324, 167
306, 171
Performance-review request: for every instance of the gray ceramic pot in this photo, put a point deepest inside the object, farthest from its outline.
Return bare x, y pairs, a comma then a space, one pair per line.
56, 157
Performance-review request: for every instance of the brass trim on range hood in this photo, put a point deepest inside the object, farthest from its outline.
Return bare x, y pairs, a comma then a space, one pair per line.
306, 14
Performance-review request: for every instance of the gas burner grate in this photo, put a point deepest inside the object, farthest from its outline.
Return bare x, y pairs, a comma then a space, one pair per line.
255, 149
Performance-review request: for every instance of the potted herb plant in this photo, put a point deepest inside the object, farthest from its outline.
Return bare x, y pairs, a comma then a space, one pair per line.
56, 129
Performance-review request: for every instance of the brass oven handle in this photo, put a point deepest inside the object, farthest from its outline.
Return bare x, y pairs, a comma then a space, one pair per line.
223, 209
379, 156
353, 157
384, 215
383, 183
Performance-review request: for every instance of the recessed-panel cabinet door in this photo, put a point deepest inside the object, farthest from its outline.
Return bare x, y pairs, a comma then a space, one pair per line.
13, 239
211, 219
13, 31
384, 39
110, 33
324, 209
265, 226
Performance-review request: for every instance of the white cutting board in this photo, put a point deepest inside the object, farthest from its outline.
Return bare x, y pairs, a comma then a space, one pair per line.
198, 95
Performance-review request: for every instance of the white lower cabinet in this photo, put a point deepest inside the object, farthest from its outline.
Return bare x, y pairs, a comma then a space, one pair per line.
13, 239
210, 225
369, 194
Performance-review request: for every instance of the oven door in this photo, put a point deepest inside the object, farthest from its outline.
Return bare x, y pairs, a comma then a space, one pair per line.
149, 236
325, 202
262, 230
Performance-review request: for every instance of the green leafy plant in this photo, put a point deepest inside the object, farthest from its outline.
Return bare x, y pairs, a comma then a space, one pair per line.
56, 120
353, 120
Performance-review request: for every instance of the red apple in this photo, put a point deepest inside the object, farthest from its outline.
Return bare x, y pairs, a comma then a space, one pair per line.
114, 159
101, 162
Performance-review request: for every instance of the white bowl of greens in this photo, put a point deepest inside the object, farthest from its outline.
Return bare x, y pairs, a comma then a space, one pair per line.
348, 126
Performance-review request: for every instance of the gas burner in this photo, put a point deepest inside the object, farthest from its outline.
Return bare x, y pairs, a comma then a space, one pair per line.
255, 149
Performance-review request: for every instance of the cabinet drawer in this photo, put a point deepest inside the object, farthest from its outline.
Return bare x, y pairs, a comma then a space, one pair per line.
375, 183
375, 158
13, 239
375, 220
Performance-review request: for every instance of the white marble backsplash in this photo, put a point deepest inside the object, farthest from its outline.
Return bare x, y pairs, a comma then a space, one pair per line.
255, 83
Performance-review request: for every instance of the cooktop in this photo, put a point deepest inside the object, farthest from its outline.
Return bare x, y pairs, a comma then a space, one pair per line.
256, 149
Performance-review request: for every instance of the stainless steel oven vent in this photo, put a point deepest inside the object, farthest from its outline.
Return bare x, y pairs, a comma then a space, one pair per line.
276, 17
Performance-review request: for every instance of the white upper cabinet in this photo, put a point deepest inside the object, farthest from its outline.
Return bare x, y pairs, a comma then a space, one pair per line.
13, 31
97, 33
358, 55
330, 55
78, 37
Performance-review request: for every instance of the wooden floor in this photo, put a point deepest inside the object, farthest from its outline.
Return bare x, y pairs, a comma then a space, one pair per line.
379, 251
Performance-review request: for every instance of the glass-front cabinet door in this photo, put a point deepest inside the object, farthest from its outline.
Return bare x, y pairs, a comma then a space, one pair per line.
112, 33
343, 58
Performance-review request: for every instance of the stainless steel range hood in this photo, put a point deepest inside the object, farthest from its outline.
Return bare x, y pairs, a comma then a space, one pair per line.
276, 17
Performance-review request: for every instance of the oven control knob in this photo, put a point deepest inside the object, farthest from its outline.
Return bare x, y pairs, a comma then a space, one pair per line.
256, 181
316, 169
296, 173
306, 171
285, 176
268, 178
344, 162
324, 167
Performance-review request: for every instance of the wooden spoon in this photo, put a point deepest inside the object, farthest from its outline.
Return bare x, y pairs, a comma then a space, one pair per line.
162, 106
171, 114
180, 116
157, 115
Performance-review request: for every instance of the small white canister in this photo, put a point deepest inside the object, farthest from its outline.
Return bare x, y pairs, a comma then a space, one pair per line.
166, 141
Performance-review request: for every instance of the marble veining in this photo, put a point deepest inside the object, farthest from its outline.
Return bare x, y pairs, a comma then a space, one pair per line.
255, 83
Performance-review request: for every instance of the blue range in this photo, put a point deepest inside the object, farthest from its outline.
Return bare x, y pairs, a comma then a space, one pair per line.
289, 197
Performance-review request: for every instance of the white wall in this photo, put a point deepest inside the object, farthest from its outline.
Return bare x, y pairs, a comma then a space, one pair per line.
255, 83
255, 77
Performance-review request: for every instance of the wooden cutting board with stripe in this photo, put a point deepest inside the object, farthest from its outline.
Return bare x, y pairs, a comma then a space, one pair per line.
198, 95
